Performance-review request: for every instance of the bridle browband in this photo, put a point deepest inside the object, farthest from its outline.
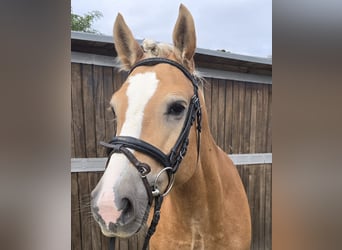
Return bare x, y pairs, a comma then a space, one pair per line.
170, 161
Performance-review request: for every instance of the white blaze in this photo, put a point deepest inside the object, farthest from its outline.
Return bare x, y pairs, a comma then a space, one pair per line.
141, 87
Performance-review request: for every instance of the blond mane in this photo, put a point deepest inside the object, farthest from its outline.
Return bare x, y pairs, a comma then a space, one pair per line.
154, 49
150, 49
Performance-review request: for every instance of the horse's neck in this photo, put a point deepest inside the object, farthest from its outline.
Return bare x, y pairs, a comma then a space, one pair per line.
201, 194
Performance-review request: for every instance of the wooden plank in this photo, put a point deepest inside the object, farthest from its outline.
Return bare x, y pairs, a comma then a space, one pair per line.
247, 120
259, 120
268, 207
72, 135
72, 151
117, 81
255, 186
141, 237
133, 243
253, 126
250, 196
269, 122
261, 207
236, 119
75, 215
119, 78
105, 243
99, 103
123, 244
89, 112
84, 192
228, 148
93, 179
242, 92
221, 113
207, 96
77, 123
214, 108
264, 119
74, 75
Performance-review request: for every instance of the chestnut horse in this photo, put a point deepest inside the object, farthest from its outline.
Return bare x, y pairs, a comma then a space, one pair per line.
161, 116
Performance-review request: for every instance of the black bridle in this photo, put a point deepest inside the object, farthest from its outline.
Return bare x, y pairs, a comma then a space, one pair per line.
170, 161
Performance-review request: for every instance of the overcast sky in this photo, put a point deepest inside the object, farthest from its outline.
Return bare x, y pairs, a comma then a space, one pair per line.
239, 26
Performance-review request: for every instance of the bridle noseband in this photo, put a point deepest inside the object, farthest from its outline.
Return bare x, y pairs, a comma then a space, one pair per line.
170, 161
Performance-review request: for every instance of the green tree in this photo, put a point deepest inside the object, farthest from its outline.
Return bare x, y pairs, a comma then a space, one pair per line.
84, 23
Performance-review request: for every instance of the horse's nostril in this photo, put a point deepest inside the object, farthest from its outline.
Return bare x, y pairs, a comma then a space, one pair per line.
127, 205
127, 214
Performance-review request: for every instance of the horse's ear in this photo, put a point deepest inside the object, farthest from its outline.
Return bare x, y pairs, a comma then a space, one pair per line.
184, 36
128, 49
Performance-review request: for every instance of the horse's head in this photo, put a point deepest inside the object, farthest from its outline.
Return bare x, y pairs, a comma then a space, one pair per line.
152, 106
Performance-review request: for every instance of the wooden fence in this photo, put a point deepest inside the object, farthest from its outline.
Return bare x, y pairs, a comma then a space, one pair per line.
240, 120
86, 233
239, 112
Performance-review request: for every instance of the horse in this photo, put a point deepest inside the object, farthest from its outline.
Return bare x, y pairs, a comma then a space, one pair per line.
164, 154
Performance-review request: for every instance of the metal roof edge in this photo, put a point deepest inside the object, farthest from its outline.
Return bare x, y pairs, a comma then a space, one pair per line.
89, 58
76, 35
234, 56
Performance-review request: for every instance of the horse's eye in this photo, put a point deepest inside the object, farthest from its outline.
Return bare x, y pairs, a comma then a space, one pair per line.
175, 109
